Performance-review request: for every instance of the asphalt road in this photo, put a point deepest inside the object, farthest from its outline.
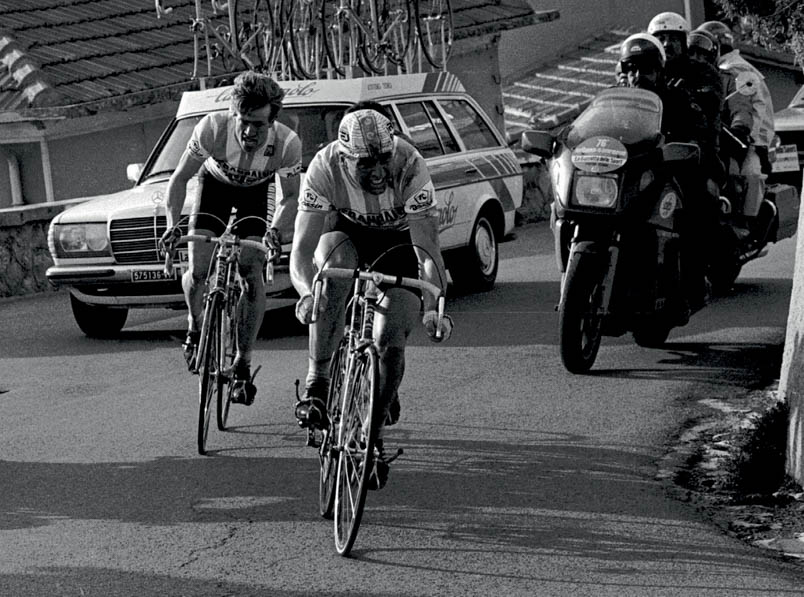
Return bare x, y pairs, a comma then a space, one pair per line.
518, 478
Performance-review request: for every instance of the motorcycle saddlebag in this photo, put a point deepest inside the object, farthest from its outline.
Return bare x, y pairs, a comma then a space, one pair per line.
787, 203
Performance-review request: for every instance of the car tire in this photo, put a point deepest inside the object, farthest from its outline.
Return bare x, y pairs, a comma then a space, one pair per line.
474, 267
98, 321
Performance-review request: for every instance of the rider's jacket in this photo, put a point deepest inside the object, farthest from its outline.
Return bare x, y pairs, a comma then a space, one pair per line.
330, 185
762, 130
215, 141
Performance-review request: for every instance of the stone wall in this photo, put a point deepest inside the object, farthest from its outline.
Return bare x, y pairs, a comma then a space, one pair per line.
24, 255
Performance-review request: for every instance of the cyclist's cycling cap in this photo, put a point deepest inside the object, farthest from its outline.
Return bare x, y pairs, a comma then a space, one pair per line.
644, 48
670, 22
365, 133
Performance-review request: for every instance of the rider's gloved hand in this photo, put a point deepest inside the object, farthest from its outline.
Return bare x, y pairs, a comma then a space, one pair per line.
273, 239
169, 238
430, 321
304, 308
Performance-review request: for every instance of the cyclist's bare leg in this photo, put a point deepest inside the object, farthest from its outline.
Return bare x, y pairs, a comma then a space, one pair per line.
396, 317
194, 279
337, 251
252, 300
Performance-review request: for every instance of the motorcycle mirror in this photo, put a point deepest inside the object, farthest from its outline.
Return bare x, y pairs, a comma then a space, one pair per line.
680, 152
538, 143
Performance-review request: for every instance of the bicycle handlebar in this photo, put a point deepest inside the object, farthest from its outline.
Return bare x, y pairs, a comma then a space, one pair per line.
201, 238
378, 278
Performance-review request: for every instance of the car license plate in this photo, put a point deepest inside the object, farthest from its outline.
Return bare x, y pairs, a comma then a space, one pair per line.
150, 275
786, 159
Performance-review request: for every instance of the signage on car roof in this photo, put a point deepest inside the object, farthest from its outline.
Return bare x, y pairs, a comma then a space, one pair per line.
326, 90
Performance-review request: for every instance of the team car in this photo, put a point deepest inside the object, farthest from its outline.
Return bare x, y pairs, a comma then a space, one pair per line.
105, 250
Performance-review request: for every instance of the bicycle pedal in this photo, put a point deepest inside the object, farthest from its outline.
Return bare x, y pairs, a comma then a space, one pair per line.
314, 438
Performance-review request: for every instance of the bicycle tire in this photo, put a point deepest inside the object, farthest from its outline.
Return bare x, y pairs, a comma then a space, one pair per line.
227, 353
356, 448
392, 19
306, 38
326, 452
337, 35
208, 374
434, 28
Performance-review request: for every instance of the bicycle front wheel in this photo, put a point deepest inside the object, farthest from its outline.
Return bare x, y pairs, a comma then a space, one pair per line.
326, 453
357, 437
208, 367
227, 351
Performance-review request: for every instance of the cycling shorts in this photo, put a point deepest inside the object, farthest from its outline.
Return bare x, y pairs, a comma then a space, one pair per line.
386, 251
218, 198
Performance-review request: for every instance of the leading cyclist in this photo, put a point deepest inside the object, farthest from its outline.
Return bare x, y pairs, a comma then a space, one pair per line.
237, 155
364, 193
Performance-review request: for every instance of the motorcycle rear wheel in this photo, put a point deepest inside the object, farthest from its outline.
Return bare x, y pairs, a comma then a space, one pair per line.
579, 319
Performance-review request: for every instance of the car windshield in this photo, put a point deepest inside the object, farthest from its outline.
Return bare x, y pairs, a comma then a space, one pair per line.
315, 125
627, 114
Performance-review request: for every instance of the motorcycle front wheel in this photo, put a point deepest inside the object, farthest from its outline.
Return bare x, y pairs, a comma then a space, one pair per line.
579, 316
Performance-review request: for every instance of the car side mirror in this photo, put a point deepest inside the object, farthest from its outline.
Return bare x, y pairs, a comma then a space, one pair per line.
538, 143
680, 152
133, 171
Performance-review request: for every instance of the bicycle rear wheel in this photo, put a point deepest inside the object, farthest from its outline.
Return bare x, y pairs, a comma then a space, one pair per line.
227, 352
327, 453
434, 24
357, 437
208, 364
307, 38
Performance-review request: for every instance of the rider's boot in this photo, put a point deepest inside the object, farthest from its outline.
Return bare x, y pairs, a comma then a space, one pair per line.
244, 389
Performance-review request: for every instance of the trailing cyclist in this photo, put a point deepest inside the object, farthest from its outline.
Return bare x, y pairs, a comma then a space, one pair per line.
237, 155
364, 193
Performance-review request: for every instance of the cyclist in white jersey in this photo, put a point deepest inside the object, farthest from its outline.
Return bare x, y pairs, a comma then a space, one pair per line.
362, 194
237, 156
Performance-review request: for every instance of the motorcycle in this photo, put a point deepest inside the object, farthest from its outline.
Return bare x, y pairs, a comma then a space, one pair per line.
748, 225
616, 222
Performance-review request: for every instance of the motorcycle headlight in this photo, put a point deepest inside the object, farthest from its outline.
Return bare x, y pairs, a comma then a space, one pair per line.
81, 240
596, 191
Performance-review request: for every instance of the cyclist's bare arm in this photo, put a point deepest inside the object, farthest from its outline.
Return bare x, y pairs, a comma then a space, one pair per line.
285, 210
309, 225
177, 186
424, 236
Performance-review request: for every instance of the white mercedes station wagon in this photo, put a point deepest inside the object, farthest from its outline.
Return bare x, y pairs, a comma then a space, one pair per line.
105, 249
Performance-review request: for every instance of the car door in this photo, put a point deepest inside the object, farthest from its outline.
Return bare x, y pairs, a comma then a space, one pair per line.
452, 173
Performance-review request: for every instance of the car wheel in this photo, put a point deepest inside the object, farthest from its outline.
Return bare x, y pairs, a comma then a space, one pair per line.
98, 321
474, 268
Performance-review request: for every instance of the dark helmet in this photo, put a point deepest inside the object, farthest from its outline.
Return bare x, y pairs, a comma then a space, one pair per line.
705, 43
644, 49
722, 33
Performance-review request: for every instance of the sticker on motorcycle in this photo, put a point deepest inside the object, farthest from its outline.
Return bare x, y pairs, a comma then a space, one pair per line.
599, 154
668, 205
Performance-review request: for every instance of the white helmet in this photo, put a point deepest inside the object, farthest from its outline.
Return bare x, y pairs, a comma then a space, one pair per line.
668, 21
643, 46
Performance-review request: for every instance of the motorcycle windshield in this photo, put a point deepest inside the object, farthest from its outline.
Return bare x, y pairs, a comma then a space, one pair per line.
627, 114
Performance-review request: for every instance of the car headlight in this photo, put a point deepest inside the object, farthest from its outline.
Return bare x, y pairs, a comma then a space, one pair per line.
596, 191
81, 240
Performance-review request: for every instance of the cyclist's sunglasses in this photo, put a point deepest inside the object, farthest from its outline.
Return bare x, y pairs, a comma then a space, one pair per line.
372, 161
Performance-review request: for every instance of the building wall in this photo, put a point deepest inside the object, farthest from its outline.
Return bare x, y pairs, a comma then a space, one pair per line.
523, 49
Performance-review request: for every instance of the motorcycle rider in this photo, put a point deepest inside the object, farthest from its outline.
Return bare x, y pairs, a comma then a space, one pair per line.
642, 62
701, 80
752, 155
